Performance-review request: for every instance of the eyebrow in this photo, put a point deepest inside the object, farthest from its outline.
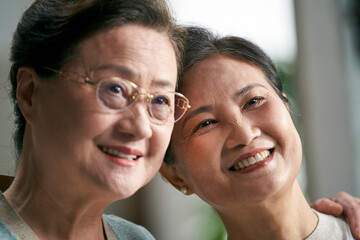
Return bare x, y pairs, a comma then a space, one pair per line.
198, 111
246, 89
120, 69
209, 108
130, 74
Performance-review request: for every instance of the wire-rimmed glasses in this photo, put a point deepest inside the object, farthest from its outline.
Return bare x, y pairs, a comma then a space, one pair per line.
117, 94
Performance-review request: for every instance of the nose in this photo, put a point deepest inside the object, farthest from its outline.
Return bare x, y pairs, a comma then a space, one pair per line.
134, 124
242, 133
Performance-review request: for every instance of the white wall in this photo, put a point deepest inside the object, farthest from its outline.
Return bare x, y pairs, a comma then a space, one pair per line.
327, 84
270, 24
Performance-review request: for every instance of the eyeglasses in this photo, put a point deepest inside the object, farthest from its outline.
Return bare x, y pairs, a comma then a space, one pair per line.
117, 94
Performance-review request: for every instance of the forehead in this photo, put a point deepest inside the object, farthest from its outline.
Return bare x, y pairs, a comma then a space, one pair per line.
143, 52
219, 74
128, 36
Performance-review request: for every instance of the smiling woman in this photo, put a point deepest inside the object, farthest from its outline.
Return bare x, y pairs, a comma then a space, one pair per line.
237, 147
86, 136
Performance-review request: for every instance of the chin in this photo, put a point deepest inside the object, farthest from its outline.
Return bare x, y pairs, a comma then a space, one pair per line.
118, 188
270, 189
120, 193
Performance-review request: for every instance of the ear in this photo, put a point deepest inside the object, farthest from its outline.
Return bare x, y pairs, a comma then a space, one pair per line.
172, 175
287, 100
26, 82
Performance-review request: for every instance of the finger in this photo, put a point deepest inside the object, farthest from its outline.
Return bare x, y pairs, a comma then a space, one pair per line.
327, 206
351, 207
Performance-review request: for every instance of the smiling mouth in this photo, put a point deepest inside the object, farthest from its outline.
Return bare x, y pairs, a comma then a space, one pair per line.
115, 153
247, 162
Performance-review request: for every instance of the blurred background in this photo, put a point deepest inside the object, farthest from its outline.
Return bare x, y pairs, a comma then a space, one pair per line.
316, 46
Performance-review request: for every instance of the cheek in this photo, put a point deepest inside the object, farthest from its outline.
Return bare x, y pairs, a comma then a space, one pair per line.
195, 149
284, 131
160, 139
199, 158
67, 116
278, 119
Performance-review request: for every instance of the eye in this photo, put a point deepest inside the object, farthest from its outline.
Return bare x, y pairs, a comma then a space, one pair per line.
161, 100
204, 124
253, 101
113, 94
116, 89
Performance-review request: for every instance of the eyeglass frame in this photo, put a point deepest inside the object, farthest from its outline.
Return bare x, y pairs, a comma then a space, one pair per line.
149, 96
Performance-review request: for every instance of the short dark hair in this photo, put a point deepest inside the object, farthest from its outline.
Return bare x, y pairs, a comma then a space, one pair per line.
50, 31
202, 43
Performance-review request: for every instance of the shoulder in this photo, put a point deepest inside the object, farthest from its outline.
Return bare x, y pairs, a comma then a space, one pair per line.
330, 227
124, 229
5, 233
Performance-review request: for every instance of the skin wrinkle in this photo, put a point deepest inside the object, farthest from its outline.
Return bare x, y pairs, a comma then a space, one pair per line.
237, 126
70, 178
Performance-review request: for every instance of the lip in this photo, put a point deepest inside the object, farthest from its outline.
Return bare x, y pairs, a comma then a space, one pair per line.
257, 165
122, 160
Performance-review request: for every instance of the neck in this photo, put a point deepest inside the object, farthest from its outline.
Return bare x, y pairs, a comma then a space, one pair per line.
287, 216
56, 209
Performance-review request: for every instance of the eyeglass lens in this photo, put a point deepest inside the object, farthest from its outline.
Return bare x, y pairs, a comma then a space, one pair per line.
117, 94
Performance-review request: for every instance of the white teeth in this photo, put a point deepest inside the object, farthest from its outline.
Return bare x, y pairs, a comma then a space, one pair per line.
241, 165
116, 153
246, 162
258, 157
252, 160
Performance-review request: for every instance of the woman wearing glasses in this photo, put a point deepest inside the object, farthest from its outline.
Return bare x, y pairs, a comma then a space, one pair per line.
93, 86
237, 147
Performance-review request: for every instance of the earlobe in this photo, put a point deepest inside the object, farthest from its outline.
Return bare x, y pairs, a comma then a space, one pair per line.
171, 174
26, 81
